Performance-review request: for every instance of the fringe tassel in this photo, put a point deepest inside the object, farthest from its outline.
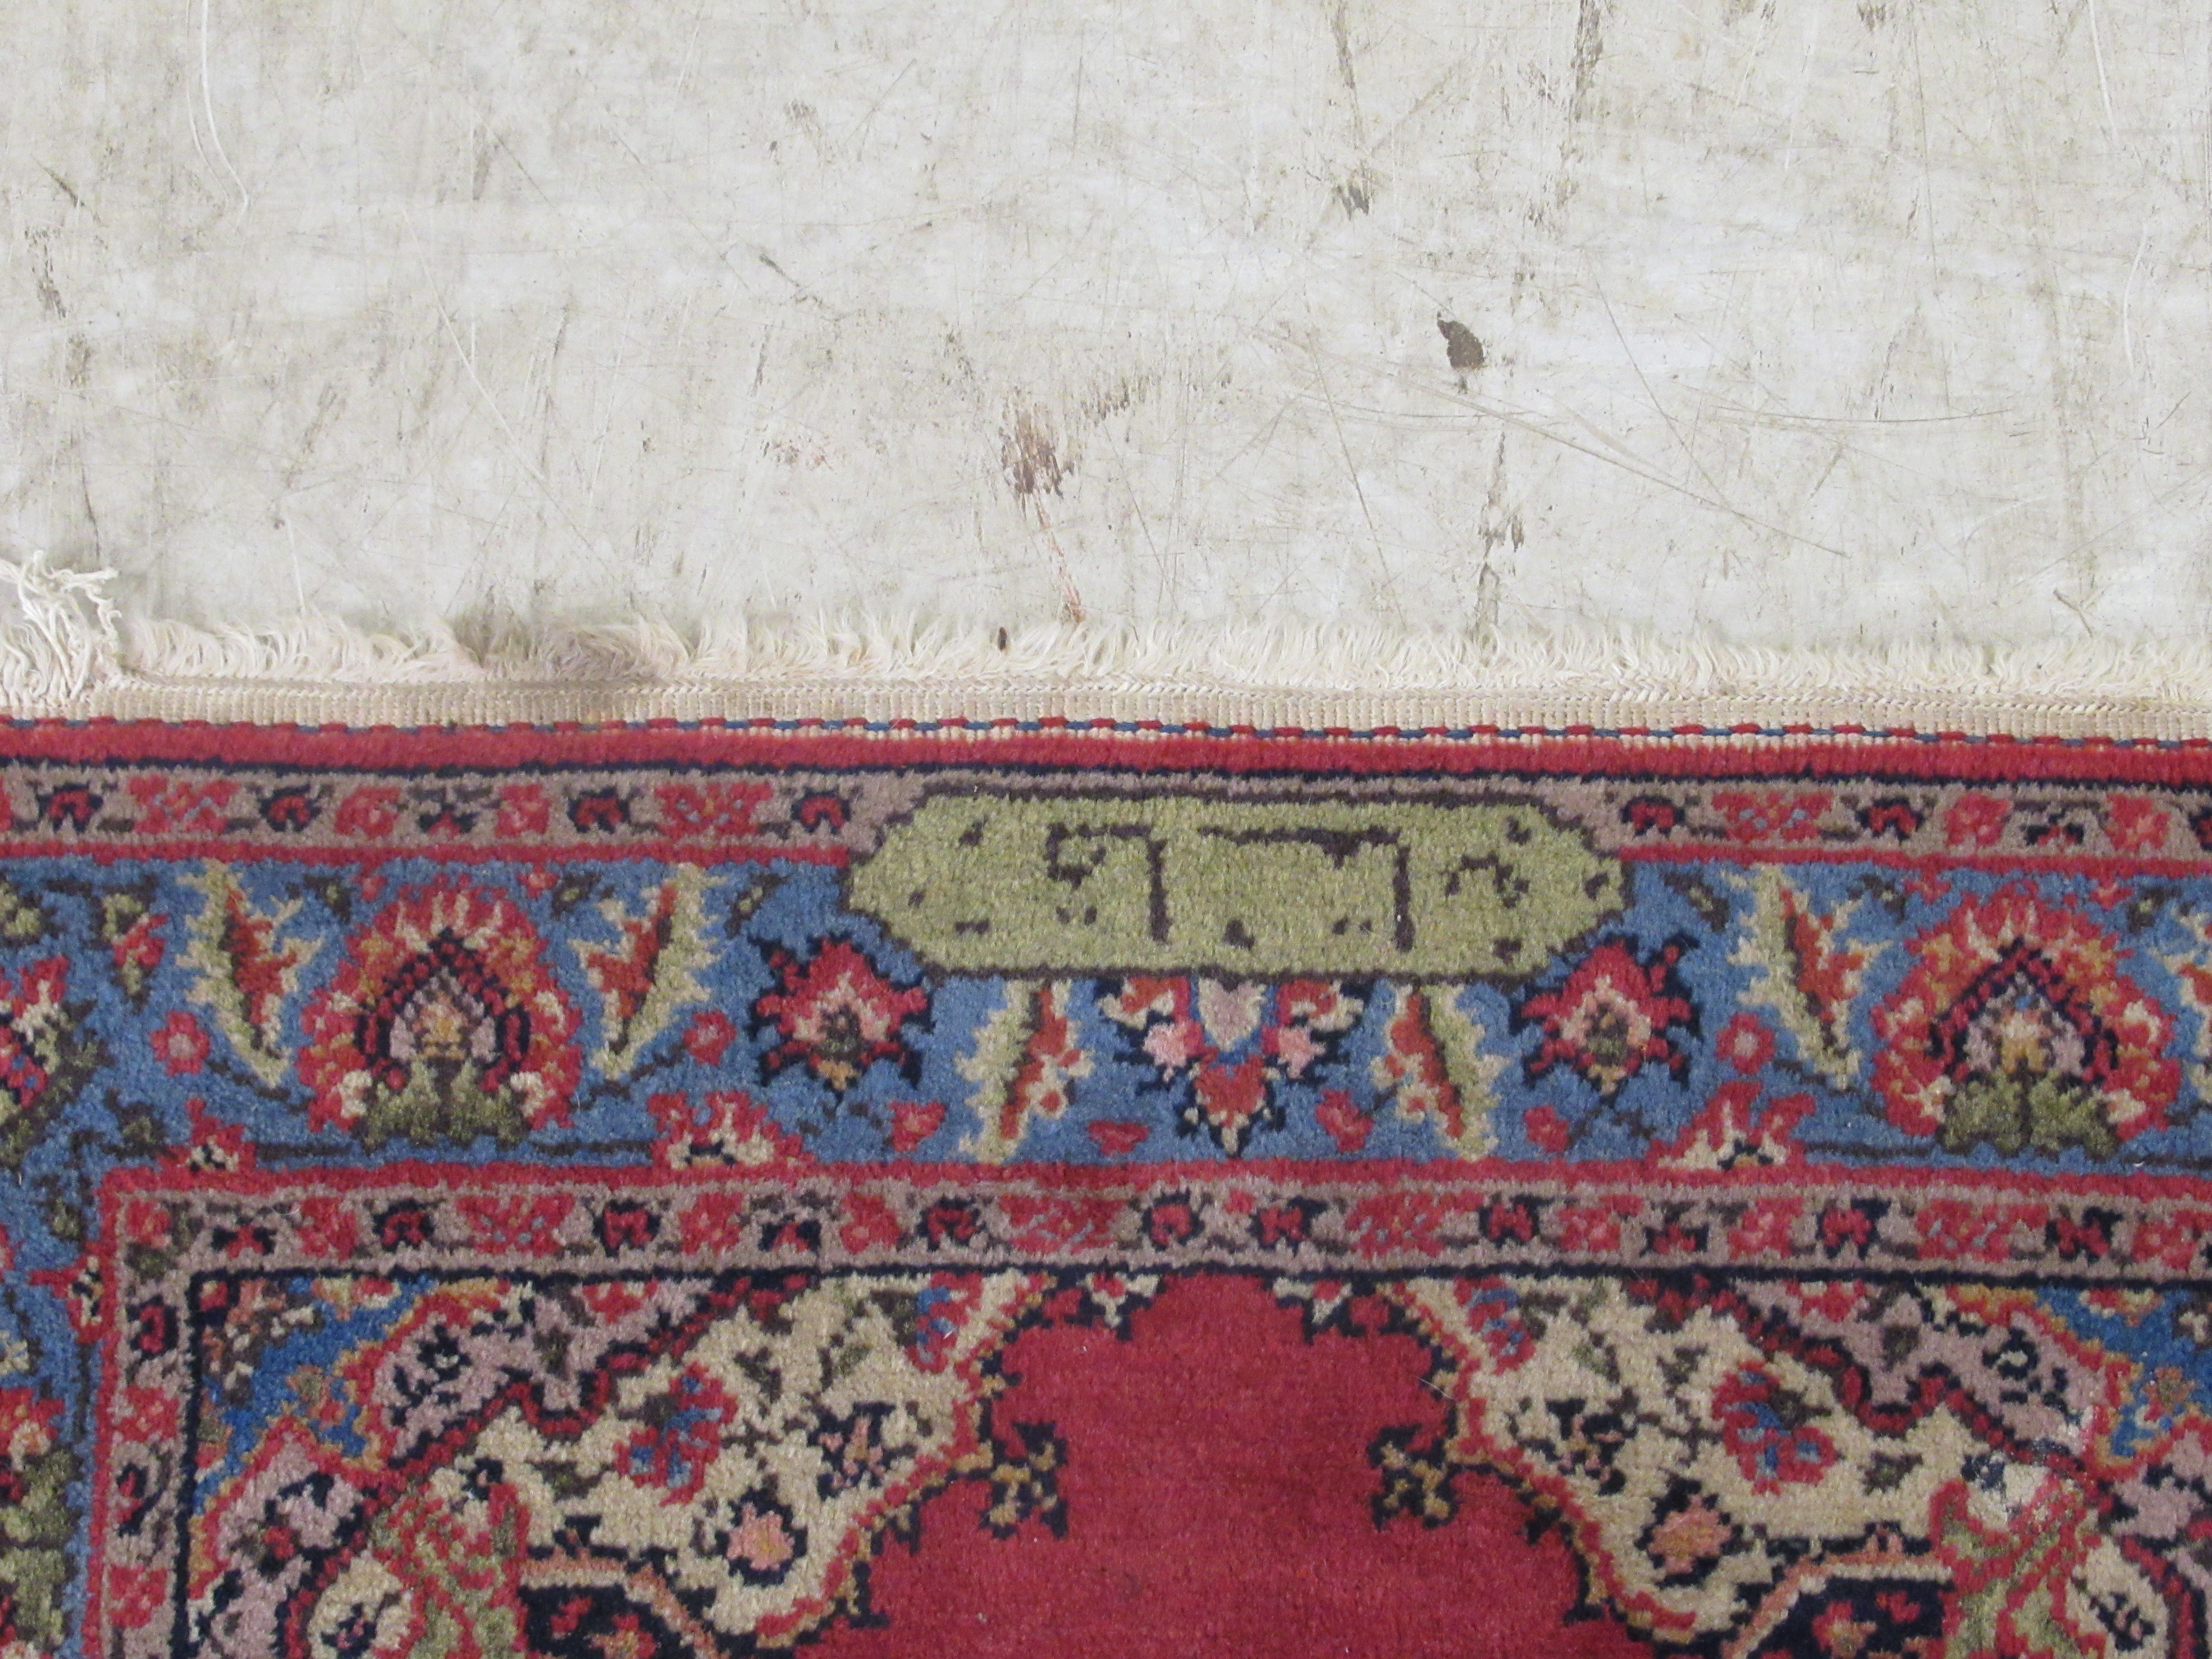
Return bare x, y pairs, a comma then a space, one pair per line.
64, 640
68, 656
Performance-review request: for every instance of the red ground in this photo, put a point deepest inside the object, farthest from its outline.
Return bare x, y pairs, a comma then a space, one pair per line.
1217, 1487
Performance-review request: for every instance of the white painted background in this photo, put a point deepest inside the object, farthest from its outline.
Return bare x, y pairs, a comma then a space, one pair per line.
1805, 321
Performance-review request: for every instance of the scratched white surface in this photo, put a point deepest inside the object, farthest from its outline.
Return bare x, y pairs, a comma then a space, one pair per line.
1810, 321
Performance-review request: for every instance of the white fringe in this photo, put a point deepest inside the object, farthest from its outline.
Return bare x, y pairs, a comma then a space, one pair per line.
64, 638
68, 657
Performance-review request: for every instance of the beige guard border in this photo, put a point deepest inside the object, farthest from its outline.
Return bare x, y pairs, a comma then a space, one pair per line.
69, 656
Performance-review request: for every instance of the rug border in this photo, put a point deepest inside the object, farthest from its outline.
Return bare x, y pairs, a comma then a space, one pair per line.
1628, 704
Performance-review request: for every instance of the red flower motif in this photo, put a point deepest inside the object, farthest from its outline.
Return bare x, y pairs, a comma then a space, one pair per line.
444, 1023
179, 1044
680, 1437
1746, 1043
70, 805
2136, 823
709, 809
709, 1036
913, 1121
627, 1227
172, 807
600, 809
1756, 815
1976, 821
524, 809
1651, 815
2015, 1027
1617, 1013
1768, 1428
1892, 816
1348, 1126
838, 1016
289, 809
727, 1128
1547, 1130
371, 811
1115, 1138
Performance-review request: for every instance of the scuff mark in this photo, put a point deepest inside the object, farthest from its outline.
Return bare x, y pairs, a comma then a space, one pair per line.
1036, 460
42, 274
1355, 192
1498, 527
1031, 452
1589, 46
62, 184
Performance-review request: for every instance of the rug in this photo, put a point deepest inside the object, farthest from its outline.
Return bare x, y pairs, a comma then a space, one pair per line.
1044, 1189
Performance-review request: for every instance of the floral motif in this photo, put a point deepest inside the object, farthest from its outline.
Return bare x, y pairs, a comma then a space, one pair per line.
45, 1058
443, 1024
1804, 970
1769, 1430
708, 1036
36, 1472
1025, 1064
1234, 1042
679, 1436
2017, 1028
132, 931
754, 1535
1434, 1066
244, 971
653, 970
1615, 1013
729, 1127
834, 1014
179, 1044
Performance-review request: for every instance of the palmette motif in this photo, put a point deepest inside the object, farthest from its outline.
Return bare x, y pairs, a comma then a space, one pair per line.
621, 1191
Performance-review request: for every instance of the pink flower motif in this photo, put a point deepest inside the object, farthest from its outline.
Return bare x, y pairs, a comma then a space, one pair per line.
180, 1045
709, 1036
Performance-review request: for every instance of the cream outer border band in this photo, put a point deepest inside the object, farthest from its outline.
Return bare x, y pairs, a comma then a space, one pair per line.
1634, 704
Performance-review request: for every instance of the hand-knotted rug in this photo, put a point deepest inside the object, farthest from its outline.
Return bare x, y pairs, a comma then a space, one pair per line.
1044, 1189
